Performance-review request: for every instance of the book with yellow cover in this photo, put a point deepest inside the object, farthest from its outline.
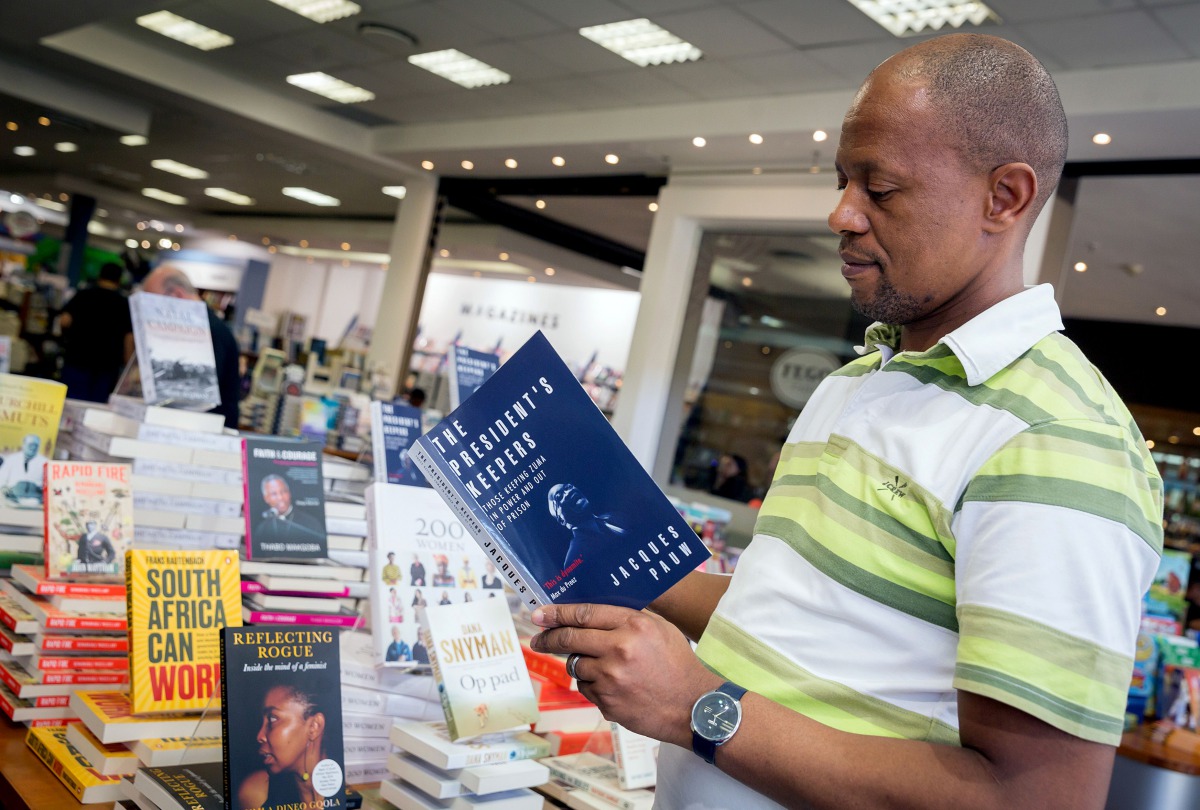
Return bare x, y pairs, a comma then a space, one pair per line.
30, 410
178, 602
110, 717
72, 769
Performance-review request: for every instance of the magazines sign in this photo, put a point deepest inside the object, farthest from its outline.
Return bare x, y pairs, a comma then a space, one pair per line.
798, 372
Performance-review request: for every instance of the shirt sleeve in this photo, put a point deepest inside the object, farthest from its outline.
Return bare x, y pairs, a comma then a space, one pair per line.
1059, 534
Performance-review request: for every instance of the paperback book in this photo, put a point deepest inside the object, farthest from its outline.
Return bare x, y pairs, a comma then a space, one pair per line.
182, 787
430, 741
30, 412
543, 483
110, 717
420, 555
89, 520
174, 351
178, 601
282, 718
285, 500
394, 427
482, 680
598, 776
72, 769
109, 759
163, 751
468, 370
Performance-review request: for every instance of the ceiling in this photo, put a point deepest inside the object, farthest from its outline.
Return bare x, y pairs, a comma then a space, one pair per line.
780, 68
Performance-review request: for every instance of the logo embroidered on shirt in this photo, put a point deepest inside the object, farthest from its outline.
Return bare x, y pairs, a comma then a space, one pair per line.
896, 487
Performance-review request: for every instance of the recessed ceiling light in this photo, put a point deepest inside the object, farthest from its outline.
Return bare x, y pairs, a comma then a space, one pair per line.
24, 151
164, 243
145, 243
311, 197
1160, 311
1173, 439
1196, 431
165, 196
820, 135
65, 146
642, 42
1080, 267
43, 120
1102, 139
303, 243
531, 279
427, 165
917, 16
272, 249
653, 206
399, 192
345, 245
503, 256
321, 11
266, 240
755, 138
444, 253
698, 141
1149, 444
746, 282
468, 165
463, 70
16, 199
540, 204
181, 169
228, 196
178, 227
550, 271
181, 29
131, 244
134, 140
510, 163
558, 160
612, 160
330, 87
756, 170
11, 126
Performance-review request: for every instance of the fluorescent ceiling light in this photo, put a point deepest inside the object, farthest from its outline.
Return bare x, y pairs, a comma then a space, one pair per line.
325, 85
459, 68
907, 17
65, 146
229, 196
321, 11
642, 42
184, 30
311, 197
399, 192
134, 140
181, 169
24, 151
165, 196
53, 205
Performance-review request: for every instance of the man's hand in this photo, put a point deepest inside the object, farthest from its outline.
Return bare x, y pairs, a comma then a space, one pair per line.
637, 667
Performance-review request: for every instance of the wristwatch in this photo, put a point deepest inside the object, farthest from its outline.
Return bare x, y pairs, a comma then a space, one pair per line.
716, 716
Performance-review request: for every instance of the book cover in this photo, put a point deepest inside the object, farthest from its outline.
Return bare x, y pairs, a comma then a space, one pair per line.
30, 686
110, 760
282, 718
23, 710
110, 717
72, 769
636, 757
174, 351
482, 680
81, 642
285, 499
420, 555
182, 787
598, 776
469, 369
89, 520
33, 579
541, 480
430, 741
30, 412
178, 601
394, 427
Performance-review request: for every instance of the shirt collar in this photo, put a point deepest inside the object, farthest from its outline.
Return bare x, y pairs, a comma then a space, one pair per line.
992, 339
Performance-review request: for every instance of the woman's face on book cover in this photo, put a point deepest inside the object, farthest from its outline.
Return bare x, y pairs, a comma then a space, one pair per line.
284, 735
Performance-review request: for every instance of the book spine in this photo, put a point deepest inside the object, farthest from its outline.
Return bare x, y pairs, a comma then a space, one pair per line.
85, 677
44, 753
225, 776
306, 619
82, 644
81, 662
249, 546
66, 622
443, 694
519, 579
141, 344
378, 451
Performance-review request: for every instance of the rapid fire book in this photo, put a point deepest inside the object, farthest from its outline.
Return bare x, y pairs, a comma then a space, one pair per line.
566, 513
174, 351
394, 427
178, 602
89, 520
285, 500
281, 713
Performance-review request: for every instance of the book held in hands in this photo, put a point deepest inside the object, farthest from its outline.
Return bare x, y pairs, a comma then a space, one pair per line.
285, 499
535, 472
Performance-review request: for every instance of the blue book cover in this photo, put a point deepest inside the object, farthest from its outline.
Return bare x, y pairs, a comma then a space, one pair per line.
469, 369
537, 475
394, 427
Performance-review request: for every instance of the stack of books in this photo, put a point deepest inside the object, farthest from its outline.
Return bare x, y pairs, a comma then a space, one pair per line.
495, 771
563, 710
20, 536
586, 780
300, 593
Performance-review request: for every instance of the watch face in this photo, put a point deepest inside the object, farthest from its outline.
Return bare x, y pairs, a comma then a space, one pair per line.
716, 716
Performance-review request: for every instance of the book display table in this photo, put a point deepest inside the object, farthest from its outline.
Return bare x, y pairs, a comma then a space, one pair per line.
25, 781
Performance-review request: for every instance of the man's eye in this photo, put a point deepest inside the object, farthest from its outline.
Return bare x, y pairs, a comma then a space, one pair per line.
880, 196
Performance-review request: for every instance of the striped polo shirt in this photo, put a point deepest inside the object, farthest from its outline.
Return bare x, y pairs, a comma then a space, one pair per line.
983, 515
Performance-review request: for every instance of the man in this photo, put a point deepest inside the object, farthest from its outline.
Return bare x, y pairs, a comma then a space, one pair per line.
282, 522
22, 471
939, 606
97, 337
398, 650
573, 511
95, 549
167, 280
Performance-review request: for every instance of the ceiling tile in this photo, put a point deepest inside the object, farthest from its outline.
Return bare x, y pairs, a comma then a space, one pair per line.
1019, 11
815, 22
644, 87
854, 62
523, 60
1124, 38
1183, 22
318, 49
576, 14
576, 55
434, 29
649, 8
788, 73
710, 80
502, 19
721, 32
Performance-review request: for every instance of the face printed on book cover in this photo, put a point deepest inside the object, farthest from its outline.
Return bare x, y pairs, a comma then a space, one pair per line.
286, 733
278, 496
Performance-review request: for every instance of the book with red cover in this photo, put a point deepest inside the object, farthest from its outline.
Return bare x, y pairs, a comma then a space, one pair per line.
33, 579
345, 618
548, 665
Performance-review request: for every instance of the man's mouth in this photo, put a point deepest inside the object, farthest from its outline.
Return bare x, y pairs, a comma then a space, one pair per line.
854, 264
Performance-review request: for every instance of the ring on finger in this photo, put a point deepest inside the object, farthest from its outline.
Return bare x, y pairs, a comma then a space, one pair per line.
572, 662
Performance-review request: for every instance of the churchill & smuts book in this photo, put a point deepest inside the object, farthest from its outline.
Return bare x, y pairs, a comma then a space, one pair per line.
543, 483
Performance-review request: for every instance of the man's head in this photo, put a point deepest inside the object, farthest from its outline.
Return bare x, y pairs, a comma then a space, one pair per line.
110, 274
567, 504
90, 526
416, 397
947, 155
277, 494
167, 280
391, 557
30, 445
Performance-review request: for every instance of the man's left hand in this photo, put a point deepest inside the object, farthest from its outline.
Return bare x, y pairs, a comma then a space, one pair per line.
637, 667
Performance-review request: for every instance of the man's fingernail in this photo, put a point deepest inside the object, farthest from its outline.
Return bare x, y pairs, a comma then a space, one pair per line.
539, 616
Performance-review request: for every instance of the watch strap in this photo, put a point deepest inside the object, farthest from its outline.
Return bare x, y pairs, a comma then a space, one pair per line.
705, 748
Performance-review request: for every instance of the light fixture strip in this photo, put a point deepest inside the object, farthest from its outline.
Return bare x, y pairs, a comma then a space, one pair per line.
905, 18
463, 70
330, 87
181, 29
181, 169
229, 196
321, 11
165, 196
642, 42
311, 197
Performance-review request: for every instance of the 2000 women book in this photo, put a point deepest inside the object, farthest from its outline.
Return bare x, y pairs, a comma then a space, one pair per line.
535, 472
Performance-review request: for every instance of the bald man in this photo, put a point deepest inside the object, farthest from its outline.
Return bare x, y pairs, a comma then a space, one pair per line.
940, 602
167, 280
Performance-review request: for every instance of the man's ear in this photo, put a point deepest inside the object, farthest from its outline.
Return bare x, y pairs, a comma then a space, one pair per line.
1012, 189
